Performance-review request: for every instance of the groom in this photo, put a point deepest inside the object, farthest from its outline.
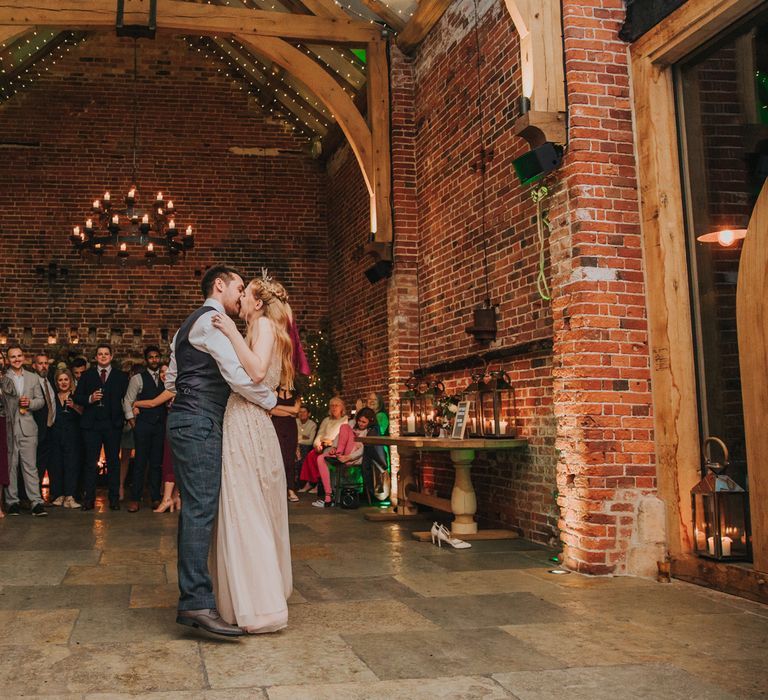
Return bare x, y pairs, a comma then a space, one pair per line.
203, 370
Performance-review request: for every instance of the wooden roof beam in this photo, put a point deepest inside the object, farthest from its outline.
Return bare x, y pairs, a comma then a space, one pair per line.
426, 16
388, 15
187, 17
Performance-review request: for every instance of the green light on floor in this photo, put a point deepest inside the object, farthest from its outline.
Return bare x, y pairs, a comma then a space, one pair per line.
360, 53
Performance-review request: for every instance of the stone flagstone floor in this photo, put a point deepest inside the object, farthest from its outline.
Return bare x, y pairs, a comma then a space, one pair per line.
87, 611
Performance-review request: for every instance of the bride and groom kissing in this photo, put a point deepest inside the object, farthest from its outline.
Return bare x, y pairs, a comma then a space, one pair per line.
227, 456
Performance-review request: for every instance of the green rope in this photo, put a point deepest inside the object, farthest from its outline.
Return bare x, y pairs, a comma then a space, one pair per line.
538, 195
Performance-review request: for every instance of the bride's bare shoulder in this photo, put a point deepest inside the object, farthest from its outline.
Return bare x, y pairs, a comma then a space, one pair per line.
262, 329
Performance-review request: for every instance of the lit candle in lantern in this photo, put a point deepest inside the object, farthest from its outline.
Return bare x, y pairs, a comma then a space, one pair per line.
711, 545
474, 425
106, 196
725, 543
115, 219
145, 219
503, 427
89, 223
189, 230
431, 415
172, 224
96, 203
410, 423
701, 540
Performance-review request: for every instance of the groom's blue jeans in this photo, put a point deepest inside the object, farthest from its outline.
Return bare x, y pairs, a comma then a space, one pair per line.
196, 447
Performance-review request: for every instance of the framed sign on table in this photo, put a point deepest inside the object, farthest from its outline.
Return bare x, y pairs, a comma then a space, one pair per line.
460, 422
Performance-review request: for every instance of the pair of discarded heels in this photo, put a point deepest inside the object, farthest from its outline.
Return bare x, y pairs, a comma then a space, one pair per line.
441, 534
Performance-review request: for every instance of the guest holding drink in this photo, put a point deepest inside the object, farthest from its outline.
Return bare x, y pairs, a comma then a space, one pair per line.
100, 393
171, 500
21, 394
64, 469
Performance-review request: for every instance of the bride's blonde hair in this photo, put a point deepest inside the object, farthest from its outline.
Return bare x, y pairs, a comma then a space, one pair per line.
279, 312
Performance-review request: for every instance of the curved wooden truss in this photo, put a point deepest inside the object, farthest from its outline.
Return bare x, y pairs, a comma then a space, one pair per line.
264, 32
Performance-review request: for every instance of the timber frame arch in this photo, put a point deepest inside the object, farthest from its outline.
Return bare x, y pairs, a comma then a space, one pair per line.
266, 33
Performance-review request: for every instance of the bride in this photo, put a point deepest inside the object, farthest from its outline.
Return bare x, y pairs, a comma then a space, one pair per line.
251, 554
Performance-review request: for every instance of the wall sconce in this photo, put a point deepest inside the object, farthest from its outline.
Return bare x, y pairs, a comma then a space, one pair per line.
74, 337
53, 336
92, 334
3, 335
115, 336
725, 237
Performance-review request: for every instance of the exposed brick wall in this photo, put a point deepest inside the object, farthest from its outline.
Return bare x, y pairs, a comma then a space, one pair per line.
514, 489
248, 210
602, 400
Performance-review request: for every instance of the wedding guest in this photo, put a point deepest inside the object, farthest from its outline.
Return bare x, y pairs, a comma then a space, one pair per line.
64, 470
148, 429
307, 429
347, 450
44, 416
21, 394
3, 437
127, 441
284, 419
324, 440
171, 500
100, 392
79, 365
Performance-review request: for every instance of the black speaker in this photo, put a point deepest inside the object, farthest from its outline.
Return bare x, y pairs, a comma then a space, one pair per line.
379, 271
350, 498
538, 162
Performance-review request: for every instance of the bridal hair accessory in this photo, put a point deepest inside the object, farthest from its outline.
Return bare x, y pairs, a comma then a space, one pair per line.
275, 289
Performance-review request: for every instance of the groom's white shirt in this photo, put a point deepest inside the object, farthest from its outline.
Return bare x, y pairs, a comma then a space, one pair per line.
205, 338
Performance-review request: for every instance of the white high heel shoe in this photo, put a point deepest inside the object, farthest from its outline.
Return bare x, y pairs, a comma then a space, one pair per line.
441, 534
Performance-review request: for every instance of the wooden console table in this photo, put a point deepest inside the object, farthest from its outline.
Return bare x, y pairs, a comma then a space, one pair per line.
463, 503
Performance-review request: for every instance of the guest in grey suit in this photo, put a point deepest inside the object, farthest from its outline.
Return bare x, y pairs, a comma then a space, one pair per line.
22, 394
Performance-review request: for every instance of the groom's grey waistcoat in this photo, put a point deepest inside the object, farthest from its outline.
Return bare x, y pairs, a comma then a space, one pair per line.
199, 384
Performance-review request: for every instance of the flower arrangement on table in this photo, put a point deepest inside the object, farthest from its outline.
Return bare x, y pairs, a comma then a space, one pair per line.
446, 407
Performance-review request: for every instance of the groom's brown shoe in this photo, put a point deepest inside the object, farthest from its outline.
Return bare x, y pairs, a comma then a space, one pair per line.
208, 620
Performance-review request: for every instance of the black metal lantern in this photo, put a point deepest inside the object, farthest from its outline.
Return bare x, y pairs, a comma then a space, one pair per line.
429, 395
410, 420
473, 393
498, 406
720, 511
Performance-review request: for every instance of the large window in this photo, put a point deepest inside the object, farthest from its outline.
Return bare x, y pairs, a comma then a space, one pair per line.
723, 119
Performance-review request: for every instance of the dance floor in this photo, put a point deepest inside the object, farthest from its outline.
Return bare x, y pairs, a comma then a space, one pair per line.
87, 610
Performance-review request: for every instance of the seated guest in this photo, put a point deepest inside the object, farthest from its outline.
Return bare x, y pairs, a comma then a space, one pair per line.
284, 419
307, 429
347, 450
64, 469
100, 392
324, 440
22, 394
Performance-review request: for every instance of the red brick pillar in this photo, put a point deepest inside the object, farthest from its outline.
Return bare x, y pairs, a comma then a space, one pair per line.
602, 401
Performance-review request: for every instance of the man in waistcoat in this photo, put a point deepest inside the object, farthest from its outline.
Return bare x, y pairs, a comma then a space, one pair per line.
203, 370
148, 429
100, 392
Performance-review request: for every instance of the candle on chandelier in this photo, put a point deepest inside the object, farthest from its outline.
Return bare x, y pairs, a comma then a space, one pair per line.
132, 193
96, 203
89, 223
170, 204
150, 247
76, 230
106, 196
159, 196
123, 247
172, 224
189, 230
145, 219
115, 219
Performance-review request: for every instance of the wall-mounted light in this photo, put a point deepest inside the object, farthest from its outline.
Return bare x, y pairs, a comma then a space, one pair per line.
3, 335
725, 237
53, 336
74, 336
